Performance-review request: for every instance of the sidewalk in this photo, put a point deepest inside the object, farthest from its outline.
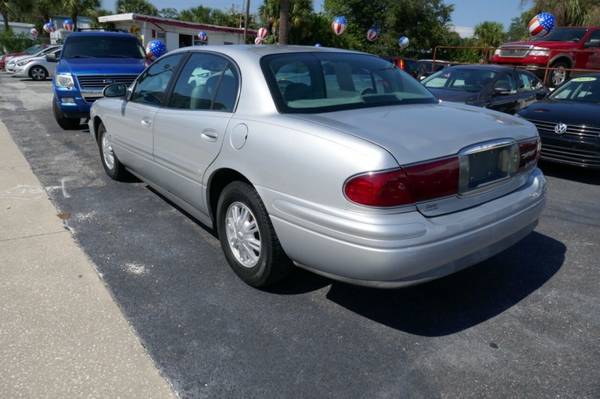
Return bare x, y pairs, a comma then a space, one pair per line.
61, 334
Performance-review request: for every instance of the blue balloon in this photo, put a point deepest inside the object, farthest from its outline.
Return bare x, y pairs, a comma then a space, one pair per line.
155, 49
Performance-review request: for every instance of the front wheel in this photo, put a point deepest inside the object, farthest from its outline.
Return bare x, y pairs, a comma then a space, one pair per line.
61, 119
38, 73
247, 237
112, 166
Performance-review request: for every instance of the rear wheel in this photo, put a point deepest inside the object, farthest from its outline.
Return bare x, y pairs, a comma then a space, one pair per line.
247, 237
38, 73
112, 166
61, 119
559, 75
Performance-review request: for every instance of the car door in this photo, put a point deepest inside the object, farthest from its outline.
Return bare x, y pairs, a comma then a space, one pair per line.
504, 95
189, 130
593, 45
133, 136
530, 89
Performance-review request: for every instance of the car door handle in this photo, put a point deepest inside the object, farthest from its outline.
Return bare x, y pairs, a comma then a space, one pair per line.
209, 135
146, 122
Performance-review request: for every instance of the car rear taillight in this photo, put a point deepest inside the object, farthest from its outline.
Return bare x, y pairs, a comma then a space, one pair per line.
406, 185
529, 152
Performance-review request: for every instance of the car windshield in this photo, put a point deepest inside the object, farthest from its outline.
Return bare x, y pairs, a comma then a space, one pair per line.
585, 89
563, 35
332, 81
103, 47
34, 49
460, 79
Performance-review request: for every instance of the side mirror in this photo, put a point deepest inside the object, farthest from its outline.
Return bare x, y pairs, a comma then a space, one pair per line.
115, 90
51, 58
502, 91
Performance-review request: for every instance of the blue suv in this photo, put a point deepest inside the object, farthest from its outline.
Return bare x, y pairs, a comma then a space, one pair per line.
89, 62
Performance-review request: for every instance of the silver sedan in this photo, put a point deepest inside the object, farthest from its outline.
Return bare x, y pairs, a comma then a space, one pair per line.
330, 160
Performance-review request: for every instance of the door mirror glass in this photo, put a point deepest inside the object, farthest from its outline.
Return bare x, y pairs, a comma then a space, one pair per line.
51, 58
502, 90
115, 90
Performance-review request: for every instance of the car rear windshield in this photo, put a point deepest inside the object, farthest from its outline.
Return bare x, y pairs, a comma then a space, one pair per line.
102, 47
333, 81
563, 35
583, 89
460, 79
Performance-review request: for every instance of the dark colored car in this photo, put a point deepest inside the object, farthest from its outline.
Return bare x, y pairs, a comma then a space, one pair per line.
426, 68
569, 122
500, 88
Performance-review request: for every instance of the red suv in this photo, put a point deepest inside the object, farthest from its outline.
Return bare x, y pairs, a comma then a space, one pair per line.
563, 48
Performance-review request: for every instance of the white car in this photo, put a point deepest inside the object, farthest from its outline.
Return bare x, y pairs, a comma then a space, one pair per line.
37, 68
11, 64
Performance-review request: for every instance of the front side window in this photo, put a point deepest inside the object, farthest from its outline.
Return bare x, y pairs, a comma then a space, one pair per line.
151, 87
206, 82
583, 89
324, 82
505, 81
528, 82
103, 47
461, 79
594, 40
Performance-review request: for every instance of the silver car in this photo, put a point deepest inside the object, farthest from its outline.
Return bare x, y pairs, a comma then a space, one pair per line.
330, 160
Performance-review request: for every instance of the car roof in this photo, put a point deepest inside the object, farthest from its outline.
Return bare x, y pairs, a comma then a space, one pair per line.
493, 67
250, 51
97, 33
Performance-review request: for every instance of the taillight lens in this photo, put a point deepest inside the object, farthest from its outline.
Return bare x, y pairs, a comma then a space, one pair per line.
529, 152
406, 185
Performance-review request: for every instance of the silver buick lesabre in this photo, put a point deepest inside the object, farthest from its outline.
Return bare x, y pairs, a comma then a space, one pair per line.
330, 160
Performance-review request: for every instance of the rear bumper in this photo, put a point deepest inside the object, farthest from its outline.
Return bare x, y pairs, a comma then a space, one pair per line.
407, 249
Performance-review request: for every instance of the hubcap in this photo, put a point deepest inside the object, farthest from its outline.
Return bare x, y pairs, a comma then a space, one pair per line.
107, 153
37, 74
243, 234
558, 76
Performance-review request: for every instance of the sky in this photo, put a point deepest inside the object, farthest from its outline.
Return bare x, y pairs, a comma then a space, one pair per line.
467, 13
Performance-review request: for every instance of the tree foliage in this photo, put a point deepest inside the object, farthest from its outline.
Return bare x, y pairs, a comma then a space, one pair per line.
489, 34
568, 12
136, 6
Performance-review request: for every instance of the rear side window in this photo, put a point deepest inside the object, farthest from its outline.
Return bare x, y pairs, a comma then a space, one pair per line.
528, 82
206, 82
151, 87
324, 82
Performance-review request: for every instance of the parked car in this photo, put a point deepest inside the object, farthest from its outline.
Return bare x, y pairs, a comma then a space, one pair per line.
563, 48
89, 62
29, 51
426, 68
11, 65
328, 159
569, 122
37, 68
500, 88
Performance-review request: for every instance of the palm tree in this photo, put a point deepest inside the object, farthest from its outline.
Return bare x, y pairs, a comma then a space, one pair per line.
284, 17
568, 12
75, 8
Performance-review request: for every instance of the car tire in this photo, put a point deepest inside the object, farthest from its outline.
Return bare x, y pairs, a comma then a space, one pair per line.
62, 120
112, 166
260, 267
38, 73
560, 75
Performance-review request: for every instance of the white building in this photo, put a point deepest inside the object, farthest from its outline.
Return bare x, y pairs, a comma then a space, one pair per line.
17, 27
172, 32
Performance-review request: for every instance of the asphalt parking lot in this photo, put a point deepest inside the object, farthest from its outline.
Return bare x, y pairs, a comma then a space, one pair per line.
525, 323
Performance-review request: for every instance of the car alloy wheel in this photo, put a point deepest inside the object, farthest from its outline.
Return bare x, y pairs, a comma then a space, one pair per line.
243, 234
559, 76
107, 152
38, 73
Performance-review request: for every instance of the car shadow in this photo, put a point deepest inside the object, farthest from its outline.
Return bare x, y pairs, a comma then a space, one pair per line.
568, 172
461, 300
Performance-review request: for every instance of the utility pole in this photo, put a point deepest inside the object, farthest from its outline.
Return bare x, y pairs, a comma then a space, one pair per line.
246, 18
